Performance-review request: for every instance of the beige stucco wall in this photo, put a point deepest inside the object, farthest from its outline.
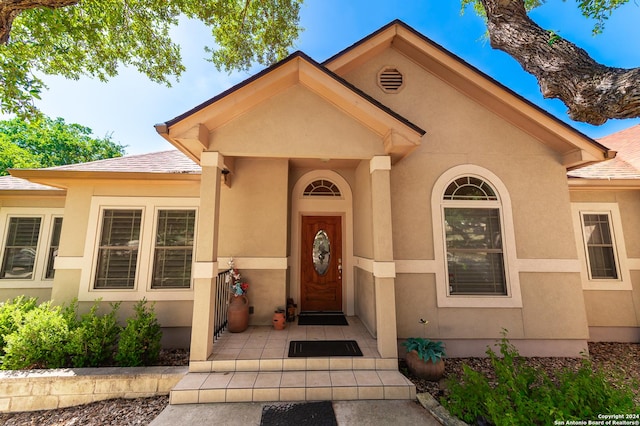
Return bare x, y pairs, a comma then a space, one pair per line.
461, 131
362, 218
615, 314
365, 299
253, 212
296, 123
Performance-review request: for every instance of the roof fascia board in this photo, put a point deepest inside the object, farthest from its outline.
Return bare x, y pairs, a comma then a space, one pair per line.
582, 184
190, 131
61, 178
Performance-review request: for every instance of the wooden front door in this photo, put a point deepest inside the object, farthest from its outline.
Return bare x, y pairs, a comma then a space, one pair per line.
321, 263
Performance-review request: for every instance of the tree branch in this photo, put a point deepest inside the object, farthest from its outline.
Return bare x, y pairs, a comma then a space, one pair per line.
9, 9
593, 92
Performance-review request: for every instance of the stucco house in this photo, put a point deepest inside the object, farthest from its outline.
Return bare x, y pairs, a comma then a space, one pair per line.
444, 195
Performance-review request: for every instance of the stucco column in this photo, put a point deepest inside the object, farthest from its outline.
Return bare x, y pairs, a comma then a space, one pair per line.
383, 263
205, 268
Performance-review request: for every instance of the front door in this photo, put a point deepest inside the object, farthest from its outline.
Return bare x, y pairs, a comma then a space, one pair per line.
321, 263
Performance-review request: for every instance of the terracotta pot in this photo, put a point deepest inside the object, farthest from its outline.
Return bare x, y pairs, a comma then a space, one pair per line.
238, 314
279, 320
426, 370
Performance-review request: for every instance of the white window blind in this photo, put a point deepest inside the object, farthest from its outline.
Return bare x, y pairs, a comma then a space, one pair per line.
173, 249
118, 250
20, 248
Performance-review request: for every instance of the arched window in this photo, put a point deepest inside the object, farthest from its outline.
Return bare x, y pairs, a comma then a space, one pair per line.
473, 238
321, 188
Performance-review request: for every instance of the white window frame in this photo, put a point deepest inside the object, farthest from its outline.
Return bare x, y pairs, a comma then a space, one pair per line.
623, 282
47, 216
153, 247
513, 298
49, 243
146, 248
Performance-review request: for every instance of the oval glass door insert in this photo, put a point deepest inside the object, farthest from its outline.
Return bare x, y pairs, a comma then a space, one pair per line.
321, 252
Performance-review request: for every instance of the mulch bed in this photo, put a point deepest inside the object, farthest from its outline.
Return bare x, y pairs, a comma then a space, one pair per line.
618, 358
615, 359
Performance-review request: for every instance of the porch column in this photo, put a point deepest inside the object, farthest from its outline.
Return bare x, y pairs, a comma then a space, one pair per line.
206, 260
383, 263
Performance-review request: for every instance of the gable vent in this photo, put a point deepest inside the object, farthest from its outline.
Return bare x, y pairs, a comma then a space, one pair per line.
390, 80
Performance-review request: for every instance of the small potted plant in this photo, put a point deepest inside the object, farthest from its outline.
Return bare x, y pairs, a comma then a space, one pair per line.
425, 357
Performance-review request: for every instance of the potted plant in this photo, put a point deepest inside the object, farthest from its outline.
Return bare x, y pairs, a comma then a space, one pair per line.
425, 357
238, 309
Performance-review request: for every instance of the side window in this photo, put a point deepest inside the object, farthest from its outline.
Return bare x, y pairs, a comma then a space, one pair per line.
20, 248
599, 246
173, 251
53, 247
118, 249
473, 238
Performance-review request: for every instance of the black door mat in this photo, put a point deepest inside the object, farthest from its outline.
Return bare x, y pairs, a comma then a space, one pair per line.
322, 348
309, 413
322, 319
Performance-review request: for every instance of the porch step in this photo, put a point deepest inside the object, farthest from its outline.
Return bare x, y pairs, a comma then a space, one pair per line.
315, 385
293, 364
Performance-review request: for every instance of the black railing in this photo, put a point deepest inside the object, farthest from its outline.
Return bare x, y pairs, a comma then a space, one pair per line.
222, 303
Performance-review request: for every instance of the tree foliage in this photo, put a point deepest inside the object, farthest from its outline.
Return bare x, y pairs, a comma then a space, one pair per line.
72, 38
593, 93
47, 142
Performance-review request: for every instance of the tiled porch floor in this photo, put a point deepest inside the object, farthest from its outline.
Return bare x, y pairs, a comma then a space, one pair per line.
253, 366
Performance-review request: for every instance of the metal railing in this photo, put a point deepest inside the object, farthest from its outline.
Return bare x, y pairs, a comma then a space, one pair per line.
223, 290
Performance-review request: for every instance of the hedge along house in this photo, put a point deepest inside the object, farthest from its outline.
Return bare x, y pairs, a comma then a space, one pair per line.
444, 196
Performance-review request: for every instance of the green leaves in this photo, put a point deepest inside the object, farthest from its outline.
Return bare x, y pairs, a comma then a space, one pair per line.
96, 37
47, 142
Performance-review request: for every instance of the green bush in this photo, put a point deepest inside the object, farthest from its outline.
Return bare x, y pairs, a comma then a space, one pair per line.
93, 339
522, 394
12, 314
39, 342
140, 340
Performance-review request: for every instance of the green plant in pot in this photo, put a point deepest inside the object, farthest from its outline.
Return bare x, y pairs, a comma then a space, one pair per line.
425, 357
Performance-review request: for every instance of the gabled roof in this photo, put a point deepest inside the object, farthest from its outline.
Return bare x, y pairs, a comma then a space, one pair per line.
190, 131
626, 165
576, 148
160, 165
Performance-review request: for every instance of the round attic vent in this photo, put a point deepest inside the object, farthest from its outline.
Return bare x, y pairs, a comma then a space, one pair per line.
390, 80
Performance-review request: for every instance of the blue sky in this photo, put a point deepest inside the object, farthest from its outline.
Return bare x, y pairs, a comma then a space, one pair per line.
129, 105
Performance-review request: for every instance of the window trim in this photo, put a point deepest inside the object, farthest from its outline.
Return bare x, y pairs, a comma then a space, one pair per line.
47, 214
156, 216
144, 268
49, 246
623, 282
513, 298
96, 257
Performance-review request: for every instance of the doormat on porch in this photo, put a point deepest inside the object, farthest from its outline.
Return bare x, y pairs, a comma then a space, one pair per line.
309, 413
322, 348
322, 319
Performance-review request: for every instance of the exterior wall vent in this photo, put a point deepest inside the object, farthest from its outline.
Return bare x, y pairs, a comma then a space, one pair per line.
390, 80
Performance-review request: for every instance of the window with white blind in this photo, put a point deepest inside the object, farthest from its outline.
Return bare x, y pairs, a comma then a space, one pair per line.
473, 238
600, 247
173, 251
20, 249
118, 249
53, 247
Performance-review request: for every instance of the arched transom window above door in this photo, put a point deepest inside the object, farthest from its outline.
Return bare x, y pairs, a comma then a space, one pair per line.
321, 188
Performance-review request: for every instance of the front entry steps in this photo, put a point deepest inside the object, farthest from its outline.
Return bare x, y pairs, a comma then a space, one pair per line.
254, 366
307, 385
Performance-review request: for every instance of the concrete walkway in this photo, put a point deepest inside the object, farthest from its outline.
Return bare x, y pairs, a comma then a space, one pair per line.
361, 413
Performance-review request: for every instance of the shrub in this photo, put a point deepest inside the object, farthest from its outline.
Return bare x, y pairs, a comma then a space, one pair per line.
522, 394
93, 339
39, 341
140, 340
12, 314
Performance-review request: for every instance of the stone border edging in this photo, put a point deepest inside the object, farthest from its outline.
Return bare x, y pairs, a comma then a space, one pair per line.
438, 411
30, 390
